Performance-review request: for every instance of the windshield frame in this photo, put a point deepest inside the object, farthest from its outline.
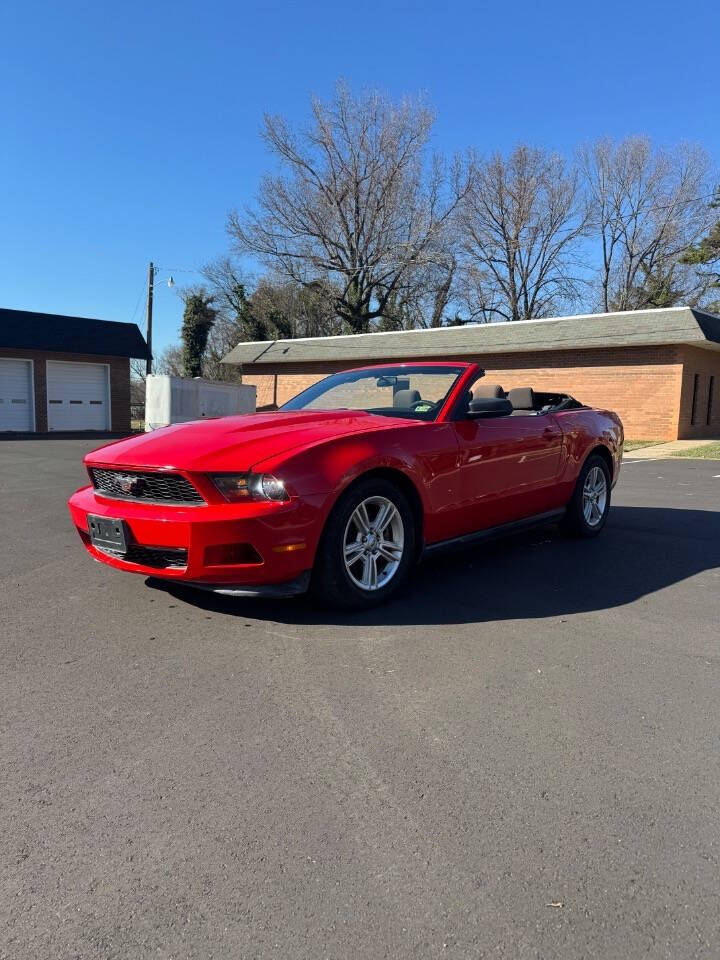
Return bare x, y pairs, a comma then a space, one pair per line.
317, 389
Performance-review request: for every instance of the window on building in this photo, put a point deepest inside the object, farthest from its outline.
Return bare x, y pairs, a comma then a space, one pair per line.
711, 390
693, 414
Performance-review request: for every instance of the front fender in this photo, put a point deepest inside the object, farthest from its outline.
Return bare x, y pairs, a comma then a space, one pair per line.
427, 454
329, 468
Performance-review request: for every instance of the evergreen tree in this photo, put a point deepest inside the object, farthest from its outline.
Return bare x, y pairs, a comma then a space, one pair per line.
706, 253
198, 318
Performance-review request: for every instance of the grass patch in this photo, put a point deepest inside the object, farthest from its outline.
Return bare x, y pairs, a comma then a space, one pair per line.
638, 444
710, 451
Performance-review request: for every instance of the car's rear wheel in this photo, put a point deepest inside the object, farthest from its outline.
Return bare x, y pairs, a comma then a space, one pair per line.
588, 510
367, 547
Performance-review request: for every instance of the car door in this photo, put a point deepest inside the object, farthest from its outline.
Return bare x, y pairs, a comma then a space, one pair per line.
508, 467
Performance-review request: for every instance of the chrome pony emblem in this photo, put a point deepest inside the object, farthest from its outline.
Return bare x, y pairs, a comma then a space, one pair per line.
131, 485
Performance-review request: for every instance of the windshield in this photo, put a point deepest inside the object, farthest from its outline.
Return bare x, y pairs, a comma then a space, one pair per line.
415, 392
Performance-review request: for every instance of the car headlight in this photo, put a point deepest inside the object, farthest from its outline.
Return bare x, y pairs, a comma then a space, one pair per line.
249, 486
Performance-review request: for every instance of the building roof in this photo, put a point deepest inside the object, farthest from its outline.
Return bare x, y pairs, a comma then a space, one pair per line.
632, 328
27, 330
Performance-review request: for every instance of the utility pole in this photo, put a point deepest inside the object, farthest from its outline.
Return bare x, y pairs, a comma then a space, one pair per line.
151, 284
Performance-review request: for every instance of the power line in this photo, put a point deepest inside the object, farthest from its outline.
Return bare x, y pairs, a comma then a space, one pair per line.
134, 313
178, 270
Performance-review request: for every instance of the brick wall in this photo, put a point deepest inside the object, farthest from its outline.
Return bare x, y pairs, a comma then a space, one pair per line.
705, 365
643, 385
119, 383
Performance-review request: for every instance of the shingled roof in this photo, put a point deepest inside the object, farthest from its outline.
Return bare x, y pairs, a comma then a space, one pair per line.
632, 328
27, 330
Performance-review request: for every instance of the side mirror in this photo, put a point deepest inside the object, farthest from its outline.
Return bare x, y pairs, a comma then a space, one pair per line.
485, 407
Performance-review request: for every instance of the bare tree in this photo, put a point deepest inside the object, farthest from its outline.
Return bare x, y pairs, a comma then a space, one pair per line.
519, 233
230, 288
170, 361
648, 205
704, 257
289, 310
137, 386
424, 298
270, 308
222, 338
357, 207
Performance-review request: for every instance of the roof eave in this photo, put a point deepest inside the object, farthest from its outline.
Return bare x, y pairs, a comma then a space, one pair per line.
674, 326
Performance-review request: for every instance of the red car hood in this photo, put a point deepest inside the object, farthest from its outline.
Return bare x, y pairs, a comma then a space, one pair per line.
236, 443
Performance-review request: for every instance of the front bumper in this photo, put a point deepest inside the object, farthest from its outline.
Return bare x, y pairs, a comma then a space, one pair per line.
283, 535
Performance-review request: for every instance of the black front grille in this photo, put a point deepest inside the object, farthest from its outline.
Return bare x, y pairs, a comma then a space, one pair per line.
158, 557
132, 485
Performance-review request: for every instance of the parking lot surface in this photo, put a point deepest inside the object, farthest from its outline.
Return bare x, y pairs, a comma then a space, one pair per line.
518, 758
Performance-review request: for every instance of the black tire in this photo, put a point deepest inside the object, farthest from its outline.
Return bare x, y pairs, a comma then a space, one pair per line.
576, 522
331, 581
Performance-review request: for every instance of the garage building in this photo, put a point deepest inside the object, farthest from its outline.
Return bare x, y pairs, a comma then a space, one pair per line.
659, 369
65, 373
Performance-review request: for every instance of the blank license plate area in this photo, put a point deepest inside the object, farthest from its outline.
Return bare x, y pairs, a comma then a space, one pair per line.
107, 534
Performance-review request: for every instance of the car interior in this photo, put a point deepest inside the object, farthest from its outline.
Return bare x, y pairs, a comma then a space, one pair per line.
482, 400
490, 400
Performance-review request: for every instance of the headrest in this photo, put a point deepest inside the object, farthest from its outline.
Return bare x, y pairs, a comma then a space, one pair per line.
404, 399
488, 390
489, 407
522, 398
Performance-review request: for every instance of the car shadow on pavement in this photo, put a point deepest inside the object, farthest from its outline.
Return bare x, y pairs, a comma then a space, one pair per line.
538, 574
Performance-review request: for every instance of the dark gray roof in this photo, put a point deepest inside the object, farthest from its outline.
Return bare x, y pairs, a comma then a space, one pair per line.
676, 325
26, 330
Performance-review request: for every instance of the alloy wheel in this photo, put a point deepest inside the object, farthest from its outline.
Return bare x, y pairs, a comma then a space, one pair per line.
594, 496
373, 543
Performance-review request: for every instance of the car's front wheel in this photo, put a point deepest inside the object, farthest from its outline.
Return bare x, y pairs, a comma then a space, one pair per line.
588, 510
367, 547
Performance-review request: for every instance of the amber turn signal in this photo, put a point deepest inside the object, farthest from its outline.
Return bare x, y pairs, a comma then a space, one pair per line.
289, 547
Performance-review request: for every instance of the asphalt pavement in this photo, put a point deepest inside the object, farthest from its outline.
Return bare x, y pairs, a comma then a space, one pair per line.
516, 759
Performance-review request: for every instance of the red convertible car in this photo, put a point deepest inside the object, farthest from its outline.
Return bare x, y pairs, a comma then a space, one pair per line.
344, 488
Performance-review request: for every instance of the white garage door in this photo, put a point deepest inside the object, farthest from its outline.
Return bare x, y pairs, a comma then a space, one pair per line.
78, 396
16, 400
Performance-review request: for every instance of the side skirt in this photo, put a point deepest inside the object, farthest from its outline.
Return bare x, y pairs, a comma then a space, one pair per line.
492, 533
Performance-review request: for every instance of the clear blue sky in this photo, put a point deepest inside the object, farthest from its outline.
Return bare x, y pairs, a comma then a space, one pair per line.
128, 130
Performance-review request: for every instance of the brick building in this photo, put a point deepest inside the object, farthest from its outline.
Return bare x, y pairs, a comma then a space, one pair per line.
659, 369
65, 373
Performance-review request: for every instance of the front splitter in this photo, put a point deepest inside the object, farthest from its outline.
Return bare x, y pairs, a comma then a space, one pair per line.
269, 591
